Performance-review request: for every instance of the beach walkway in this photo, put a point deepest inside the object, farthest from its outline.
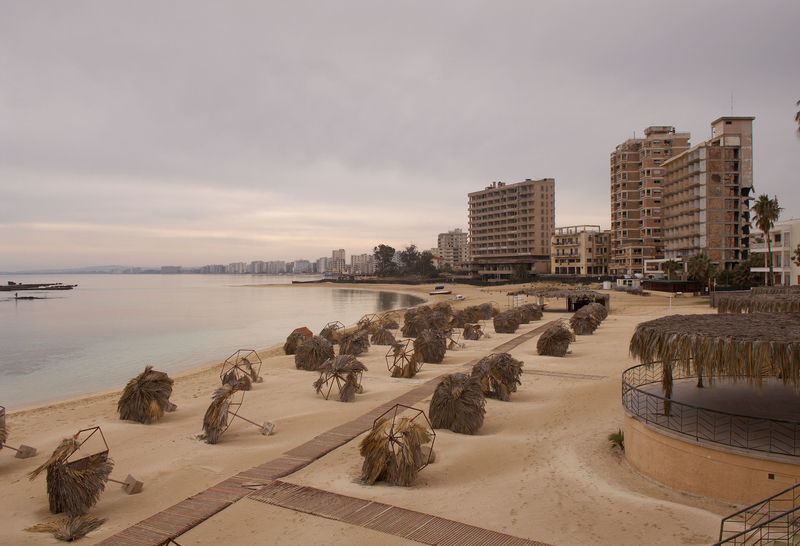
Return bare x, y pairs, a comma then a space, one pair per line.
261, 483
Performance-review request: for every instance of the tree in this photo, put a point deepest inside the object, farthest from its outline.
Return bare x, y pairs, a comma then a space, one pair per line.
425, 263
409, 257
767, 212
384, 256
520, 272
669, 267
701, 267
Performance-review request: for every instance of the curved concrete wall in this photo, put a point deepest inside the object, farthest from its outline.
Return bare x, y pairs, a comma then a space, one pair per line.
731, 474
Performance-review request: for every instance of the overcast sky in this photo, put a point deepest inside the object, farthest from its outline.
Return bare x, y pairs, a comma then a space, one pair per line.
149, 133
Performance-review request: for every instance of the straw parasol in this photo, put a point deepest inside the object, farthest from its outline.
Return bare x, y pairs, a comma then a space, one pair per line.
69, 529
331, 331
430, 346
146, 397
312, 353
402, 360
392, 450
767, 302
293, 341
389, 320
3, 427
499, 375
555, 340
215, 421
739, 347
458, 404
382, 336
353, 343
473, 332
586, 319
74, 486
488, 310
507, 322
775, 289
344, 371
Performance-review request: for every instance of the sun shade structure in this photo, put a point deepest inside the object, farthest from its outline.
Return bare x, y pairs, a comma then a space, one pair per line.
430, 346
768, 302
24, 452
473, 332
295, 339
507, 322
353, 343
331, 331
345, 372
775, 289
77, 472
458, 404
69, 529
225, 405
575, 298
739, 347
241, 369
313, 353
499, 375
393, 449
402, 360
555, 340
390, 320
146, 397
382, 336
587, 319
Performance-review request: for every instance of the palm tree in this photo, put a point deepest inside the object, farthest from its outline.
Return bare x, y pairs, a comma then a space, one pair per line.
669, 267
767, 212
701, 267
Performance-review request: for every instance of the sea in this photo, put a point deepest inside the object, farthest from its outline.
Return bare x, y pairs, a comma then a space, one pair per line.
102, 333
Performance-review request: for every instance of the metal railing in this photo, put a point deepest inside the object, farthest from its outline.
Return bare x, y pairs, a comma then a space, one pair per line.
776, 436
776, 518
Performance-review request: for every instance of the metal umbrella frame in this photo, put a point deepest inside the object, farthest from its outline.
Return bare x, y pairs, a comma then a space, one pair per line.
395, 439
243, 363
400, 356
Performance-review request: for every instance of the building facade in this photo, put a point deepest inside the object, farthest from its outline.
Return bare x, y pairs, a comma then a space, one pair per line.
362, 264
637, 174
510, 227
784, 240
452, 249
707, 192
338, 262
580, 250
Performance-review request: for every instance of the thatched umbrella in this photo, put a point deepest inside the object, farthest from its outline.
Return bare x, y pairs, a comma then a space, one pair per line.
215, 421
312, 353
473, 332
389, 321
331, 331
74, 486
392, 450
382, 336
489, 310
586, 319
473, 314
69, 529
458, 404
499, 375
555, 340
3, 427
353, 343
431, 346
775, 289
294, 341
534, 311
442, 307
402, 359
241, 369
507, 322
237, 381
345, 372
146, 397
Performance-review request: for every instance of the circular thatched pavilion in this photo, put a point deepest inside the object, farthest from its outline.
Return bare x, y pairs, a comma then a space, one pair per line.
714, 408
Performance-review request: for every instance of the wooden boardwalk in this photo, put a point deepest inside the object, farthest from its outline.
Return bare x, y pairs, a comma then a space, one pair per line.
259, 483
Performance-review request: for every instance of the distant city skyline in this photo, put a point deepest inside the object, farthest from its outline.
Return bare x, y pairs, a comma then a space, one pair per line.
203, 132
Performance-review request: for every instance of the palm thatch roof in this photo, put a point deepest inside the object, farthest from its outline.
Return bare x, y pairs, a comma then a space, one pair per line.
69, 529
3, 427
236, 380
488, 310
215, 421
458, 404
739, 347
393, 452
499, 375
430, 346
74, 486
353, 343
421, 318
473, 332
402, 359
331, 331
507, 322
293, 342
555, 340
771, 302
775, 289
443, 307
389, 321
586, 319
473, 314
382, 336
312, 353
345, 372
146, 397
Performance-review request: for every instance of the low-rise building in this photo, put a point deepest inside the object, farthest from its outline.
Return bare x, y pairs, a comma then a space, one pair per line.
580, 250
784, 240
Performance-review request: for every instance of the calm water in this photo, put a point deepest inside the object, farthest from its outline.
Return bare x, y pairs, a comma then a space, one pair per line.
102, 333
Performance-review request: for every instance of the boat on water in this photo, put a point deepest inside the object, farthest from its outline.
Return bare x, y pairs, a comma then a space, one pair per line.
18, 287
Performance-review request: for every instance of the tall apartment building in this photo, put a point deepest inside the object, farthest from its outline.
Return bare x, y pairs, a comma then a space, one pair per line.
301, 266
707, 195
637, 174
362, 264
337, 264
580, 250
452, 249
322, 265
511, 224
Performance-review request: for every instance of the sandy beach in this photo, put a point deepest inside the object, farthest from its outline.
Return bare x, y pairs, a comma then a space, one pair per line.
540, 468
